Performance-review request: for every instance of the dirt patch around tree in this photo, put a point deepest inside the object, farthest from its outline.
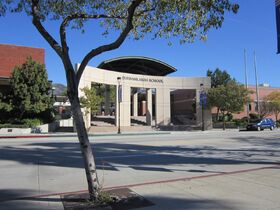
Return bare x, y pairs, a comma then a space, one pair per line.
116, 199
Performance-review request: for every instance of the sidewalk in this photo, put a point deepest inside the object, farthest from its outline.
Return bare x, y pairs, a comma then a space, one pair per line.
238, 191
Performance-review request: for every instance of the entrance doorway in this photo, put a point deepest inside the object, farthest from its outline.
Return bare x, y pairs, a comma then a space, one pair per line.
142, 106
183, 106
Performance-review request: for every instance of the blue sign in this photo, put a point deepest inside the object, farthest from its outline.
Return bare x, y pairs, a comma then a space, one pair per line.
203, 98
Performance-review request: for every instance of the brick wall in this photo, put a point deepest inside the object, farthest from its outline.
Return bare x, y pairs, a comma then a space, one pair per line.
12, 55
263, 92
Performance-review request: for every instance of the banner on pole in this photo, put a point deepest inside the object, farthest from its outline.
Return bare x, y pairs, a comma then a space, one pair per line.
277, 8
119, 93
203, 99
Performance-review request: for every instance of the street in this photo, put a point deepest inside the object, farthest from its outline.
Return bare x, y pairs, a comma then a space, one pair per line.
197, 170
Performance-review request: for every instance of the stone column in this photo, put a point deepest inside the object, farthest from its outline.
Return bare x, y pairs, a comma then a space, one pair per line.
125, 106
198, 109
135, 104
149, 113
107, 100
163, 116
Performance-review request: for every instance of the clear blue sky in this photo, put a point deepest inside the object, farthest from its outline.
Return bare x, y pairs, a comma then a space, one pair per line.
253, 28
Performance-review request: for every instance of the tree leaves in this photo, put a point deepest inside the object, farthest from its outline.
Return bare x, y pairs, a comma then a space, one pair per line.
228, 98
30, 88
185, 19
91, 100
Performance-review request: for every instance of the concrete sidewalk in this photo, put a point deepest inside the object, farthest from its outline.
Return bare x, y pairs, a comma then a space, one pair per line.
196, 170
251, 190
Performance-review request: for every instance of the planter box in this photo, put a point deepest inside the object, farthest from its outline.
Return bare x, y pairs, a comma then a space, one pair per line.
15, 130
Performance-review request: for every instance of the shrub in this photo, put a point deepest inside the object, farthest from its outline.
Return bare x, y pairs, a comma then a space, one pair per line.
254, 116
241, 122
31, 122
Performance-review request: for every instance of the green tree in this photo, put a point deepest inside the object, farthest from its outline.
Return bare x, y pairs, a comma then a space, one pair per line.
91, 101
5, 107
30, 89
228, 98
219, 77
28, 95
185, 20
274, 100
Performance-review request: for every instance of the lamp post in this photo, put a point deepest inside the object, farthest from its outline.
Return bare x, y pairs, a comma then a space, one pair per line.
53, 89
202, 100
119, 104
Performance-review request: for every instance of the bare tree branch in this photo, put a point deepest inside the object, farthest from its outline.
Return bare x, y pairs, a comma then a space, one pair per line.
37, 23
113, 45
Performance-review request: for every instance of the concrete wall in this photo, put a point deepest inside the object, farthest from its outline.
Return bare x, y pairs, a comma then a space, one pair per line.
163, 85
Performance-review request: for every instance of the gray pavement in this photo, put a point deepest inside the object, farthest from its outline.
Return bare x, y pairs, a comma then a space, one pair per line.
184, 170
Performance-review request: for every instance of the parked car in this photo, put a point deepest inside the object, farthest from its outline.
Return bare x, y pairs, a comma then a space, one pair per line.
261, 124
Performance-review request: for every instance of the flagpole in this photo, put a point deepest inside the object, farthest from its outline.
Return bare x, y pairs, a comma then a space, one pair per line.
246, 81
257, 82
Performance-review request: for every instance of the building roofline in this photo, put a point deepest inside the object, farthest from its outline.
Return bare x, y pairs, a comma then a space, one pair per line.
14, 45
146, 63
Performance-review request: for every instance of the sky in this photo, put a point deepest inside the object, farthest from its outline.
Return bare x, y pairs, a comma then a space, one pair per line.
253, 29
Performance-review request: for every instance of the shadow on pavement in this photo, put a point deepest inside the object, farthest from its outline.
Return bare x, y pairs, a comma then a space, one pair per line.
161, 203
143, 157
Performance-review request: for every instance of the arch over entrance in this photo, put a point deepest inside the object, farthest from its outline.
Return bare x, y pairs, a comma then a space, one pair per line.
135, 72
137, 65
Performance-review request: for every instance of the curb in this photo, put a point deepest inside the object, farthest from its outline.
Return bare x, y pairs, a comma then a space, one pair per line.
75, 135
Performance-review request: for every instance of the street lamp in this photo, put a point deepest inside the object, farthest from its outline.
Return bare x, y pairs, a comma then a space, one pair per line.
53, 89
202, 101
119, 104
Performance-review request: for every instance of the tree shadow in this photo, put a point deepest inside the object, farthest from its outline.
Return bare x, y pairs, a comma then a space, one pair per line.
272, 141
160, 202
111, 156
21, 199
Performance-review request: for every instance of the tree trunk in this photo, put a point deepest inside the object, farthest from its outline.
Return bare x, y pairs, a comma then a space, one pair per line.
224, 122
217, 115
90, 167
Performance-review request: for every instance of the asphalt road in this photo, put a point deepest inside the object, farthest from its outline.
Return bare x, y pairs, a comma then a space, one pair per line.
46, 166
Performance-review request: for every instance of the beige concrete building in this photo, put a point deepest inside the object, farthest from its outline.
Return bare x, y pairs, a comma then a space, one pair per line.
170, 101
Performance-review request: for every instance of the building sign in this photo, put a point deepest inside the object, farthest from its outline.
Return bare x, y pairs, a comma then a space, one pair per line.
141, 79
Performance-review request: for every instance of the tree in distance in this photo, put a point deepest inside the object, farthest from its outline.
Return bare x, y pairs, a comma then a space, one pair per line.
228, 98
218, 78
90, 101
186, 20
274, 103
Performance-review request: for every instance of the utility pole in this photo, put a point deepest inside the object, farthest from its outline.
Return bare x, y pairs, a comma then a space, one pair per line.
257, 83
